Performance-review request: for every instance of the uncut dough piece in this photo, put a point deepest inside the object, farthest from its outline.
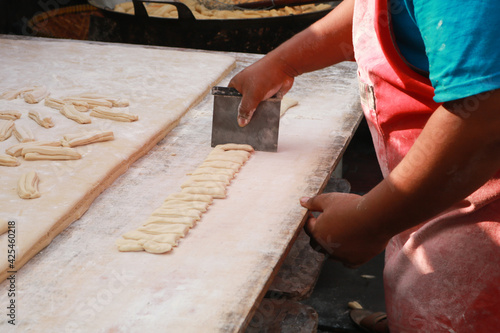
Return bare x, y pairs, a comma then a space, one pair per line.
80, 106
217, 193
286, 104
8, 160
58, 104
35, 95
80, 139
189, 221
10, 115
107, 113
189, 197
23, 134
6, 127
54, 103
41, 119
70, 112
16, 150
155, 247
27, 187
35, 153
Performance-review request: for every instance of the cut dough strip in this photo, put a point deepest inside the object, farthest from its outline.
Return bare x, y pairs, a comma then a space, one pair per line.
7, 160
221, 165
235, 146
91, 102
80, 139
189, 221
57, 103
70, 112
107, 113
6, 127
27, 187
155, 247
180, 204
41, 119
35, 95
31, 95
190, 197
23, 133
54, 103
115, 102
226, 157
16, 150
171, 239
35, 153
129, 245
13, 94
10, 115
216, 193
174, 212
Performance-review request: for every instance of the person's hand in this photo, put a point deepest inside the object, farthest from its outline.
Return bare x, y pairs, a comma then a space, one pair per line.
341, 229
258, 82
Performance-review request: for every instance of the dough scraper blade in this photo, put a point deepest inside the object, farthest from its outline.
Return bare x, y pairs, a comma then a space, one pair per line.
262, 131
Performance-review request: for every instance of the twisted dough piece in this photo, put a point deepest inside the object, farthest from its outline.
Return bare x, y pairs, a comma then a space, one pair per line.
27, 187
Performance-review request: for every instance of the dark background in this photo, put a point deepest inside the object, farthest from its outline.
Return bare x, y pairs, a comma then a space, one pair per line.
15, 14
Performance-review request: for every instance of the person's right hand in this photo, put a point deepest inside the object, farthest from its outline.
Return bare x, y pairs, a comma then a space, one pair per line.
258, 82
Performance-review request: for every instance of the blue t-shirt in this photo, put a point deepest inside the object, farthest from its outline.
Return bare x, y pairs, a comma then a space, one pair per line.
456, 42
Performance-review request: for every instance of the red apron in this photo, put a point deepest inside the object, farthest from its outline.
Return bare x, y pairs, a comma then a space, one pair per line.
444, 275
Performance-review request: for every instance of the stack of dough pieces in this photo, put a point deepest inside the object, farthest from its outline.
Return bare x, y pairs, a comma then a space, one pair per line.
182, 210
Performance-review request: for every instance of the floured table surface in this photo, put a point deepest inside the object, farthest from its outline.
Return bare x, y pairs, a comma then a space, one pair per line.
160, 84
217, 275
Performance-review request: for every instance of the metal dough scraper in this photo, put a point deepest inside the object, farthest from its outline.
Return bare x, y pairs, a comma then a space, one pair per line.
262, 131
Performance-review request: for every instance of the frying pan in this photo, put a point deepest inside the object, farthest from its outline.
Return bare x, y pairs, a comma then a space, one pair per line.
252, 35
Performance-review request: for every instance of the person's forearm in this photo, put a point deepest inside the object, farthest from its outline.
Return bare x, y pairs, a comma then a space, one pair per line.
452, 157
326, 42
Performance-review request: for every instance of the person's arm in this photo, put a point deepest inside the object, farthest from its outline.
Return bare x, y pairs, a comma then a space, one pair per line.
326, 42
456, 153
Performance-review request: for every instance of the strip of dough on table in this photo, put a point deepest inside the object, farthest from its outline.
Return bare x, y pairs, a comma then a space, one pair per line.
10, 115
185, 207
41, 118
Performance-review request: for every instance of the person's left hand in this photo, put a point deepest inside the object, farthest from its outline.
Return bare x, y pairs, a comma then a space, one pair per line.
341, 229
